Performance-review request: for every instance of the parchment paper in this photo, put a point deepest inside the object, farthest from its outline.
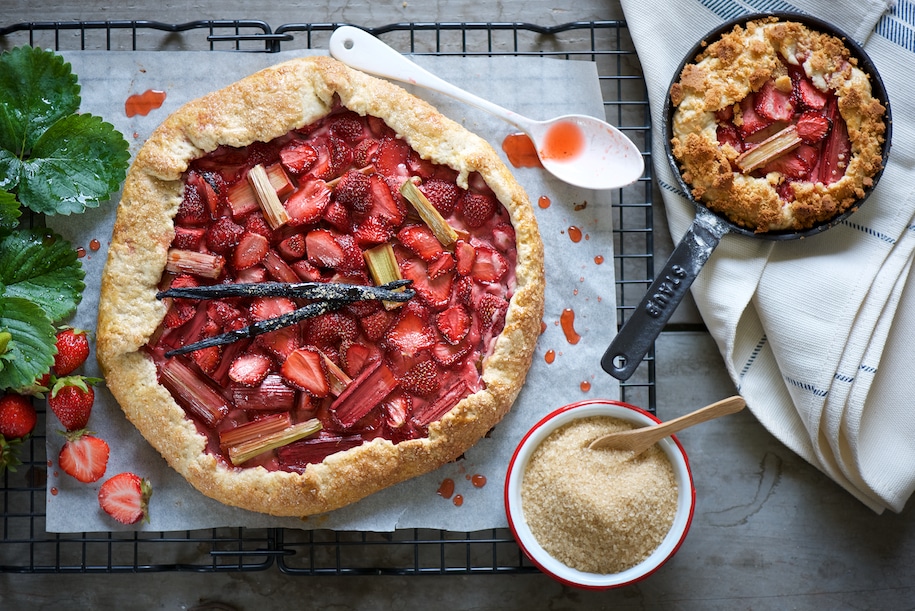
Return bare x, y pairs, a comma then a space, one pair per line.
538, 87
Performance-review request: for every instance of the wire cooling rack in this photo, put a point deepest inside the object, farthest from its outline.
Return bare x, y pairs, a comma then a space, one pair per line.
25, 547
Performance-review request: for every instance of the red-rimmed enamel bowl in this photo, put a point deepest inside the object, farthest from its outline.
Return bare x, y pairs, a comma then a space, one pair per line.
686, 497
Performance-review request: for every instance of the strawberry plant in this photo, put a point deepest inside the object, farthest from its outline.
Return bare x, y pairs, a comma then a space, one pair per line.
53, 160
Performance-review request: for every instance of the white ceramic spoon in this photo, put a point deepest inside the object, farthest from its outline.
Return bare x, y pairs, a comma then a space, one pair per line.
604, 157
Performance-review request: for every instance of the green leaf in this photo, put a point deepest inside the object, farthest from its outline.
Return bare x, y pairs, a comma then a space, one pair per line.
30, 352
37, 89
9, 212
42, 268
78, 162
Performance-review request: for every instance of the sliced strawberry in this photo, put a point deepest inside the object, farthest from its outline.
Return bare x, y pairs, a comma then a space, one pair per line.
338, 216
307, 204
251, 274
725, 115
251, 250
125, 497
353, 191
250, 369
84, 456
447, 354
364, 152
277, 268
306, 271
192, 210
353, 257
420, 240
348, 126
354, 356
208, 185
363, 394
188, 238
812, 127
418, 166
421, 379
391, 157
750, 121
298, 157
488, 266
330, 329
321, 168
410, 334
384, 205
305, 369
442, 194
773, 104
808, 95
376, 325
263, 308
453, 323
341, 156
255, 223
223, 235
491, 311
727, 134
372, 231
463, 290
503, 237
397, 408
465, 254
442, 264
293, 247
435, 292
322, 248
477, 208
207, 358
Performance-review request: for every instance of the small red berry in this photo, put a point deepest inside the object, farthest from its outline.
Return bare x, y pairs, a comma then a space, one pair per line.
72, 351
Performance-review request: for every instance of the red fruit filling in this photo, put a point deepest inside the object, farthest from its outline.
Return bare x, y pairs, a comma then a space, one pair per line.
308, 207
797, 132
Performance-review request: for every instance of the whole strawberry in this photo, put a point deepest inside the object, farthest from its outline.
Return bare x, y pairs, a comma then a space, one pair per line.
84, 456
72, 351
125, 497
71, 400
17, 416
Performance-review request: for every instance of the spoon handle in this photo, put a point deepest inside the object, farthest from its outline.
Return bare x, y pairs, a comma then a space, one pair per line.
639, 440
359, 49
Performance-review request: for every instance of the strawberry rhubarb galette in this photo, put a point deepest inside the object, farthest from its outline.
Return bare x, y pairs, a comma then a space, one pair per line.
317, 287
776, 126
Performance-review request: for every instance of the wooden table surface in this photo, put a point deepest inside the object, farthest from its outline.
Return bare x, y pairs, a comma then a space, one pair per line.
770, 531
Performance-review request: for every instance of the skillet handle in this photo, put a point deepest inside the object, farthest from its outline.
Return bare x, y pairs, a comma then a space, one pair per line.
646, 322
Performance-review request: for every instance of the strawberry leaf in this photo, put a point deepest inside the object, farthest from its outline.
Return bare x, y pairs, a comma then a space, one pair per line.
74, 165
37, 88
42, 268
54, 160
9, 212
30, 350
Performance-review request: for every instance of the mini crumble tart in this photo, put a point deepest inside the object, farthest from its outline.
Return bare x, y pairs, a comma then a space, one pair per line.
776, 127
310, 172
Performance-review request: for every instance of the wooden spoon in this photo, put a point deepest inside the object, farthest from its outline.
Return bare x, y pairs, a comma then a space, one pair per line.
640, 439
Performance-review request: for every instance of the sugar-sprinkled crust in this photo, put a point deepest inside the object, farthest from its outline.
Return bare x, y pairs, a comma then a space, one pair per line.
261, 107
729, 70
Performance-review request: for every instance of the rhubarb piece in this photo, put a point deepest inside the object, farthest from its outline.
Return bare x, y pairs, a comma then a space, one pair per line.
267, 199
338, 378
271, 394
196, 263
242, 199
429, 214
306, 369
436, 410
243, 452
383, 268
193, 392
279, 180
770, 148
296, 456
363, 394
248, 431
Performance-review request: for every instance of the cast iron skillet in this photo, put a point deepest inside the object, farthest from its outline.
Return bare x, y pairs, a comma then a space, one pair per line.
646, 322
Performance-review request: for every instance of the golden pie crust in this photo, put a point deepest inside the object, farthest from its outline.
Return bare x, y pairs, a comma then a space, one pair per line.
261, 107
725, 73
